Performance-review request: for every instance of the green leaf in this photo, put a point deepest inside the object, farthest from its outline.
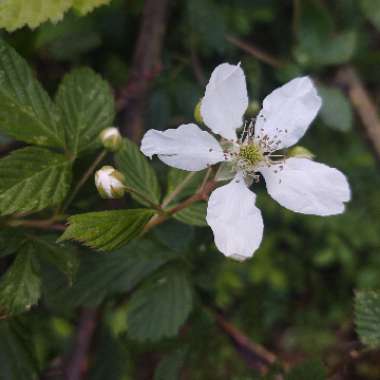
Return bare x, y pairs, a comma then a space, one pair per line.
69, 39
319, 44
17, 360
206, 23
139, 175
10, 241
107, 230
20, 286
367, 317
63, 258
309, 370
170, 366
159, 308
85, 6
15, 14
194, 215
26, 110
336, 110
87, 106
100, 275
32, 179
371, 9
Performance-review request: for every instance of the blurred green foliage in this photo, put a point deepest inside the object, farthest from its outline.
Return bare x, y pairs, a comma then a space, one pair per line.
296, 295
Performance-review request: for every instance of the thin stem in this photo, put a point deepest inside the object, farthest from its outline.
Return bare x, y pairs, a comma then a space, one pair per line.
202, 194
205, 179
152, 204
178, 189
47, 224
84, 179
256, 52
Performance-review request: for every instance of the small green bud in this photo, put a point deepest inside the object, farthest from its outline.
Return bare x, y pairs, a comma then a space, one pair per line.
110, 183
253, 109
300, 151
197, 113
111, 139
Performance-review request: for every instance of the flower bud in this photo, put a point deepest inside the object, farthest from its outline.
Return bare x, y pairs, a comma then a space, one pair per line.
301, 152
110, 183
111, 139
197, 113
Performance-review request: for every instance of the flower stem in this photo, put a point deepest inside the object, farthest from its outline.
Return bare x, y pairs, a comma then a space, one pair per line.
84, 179
177, 190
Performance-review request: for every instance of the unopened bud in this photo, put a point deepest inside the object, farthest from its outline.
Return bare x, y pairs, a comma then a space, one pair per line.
197, 113
111, 139
301, 152
110, 183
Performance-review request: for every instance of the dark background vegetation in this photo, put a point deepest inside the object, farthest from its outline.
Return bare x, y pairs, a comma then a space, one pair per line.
295, 297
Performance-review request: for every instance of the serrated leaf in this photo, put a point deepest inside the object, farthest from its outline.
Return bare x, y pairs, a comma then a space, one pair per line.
26, 110
336, 109
21, 285
100, 275
87, 107
107, 230
194, 215
139, 175
16, 13
367, 317
308, 370
16, 352
170, 366
158, 309
85, 6
32, 179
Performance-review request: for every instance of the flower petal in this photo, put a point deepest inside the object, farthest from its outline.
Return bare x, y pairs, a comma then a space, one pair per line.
225, 100
287, 112
186, 148
235, 220
308, 187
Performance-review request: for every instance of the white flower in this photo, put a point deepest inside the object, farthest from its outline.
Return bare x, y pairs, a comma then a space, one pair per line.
297, 183
111, 139
109, 183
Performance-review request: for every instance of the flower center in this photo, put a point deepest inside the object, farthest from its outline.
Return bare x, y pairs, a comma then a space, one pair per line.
251, 154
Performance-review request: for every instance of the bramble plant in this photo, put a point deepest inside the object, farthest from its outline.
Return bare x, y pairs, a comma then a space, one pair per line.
117, 265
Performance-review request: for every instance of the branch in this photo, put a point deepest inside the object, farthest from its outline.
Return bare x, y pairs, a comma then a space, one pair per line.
366, 109
256, 356
76, 363
146, 65
256, 52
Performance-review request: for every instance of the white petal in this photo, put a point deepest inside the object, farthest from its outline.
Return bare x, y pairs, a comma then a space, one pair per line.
288, 111
225, 100
186, 148
235, 220
308, 187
